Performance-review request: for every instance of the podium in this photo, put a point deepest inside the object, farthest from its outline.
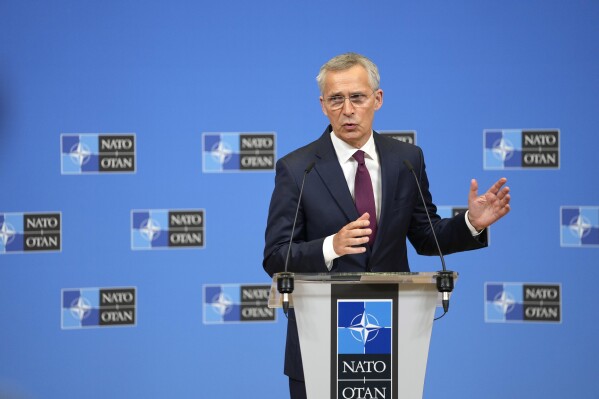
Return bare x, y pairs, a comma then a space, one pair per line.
363, 335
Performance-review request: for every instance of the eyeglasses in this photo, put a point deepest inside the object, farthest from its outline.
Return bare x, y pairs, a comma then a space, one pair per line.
357, 100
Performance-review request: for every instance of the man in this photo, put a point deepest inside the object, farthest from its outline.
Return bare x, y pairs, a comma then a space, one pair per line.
358, 207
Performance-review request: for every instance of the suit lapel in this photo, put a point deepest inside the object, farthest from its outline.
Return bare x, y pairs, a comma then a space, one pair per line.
390, 164
330, 172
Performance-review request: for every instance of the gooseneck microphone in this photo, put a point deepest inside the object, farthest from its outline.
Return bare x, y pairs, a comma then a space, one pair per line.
444, 277
285, 284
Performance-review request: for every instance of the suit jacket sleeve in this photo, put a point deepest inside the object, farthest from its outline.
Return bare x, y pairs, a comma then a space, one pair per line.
453, 233
306, 255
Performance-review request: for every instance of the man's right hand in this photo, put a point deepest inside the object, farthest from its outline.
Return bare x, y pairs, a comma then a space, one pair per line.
352, 236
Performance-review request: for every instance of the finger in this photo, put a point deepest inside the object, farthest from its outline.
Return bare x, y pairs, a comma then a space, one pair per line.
497, 186
354, 233
352, 246
358, 241
354, 237
343, 245
354, 250
365, 216
361, 222
503, 192
473, 190
347, 234
503, 211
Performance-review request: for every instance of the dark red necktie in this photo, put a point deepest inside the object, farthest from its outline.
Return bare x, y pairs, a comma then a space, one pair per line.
364, 194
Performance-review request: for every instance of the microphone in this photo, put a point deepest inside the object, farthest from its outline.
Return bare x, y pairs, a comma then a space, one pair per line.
444, 277
285, 284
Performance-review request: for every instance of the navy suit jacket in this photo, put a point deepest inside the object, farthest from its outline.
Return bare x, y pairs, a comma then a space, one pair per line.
327, 206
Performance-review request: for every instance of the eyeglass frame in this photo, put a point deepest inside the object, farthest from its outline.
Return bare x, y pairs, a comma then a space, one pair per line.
342, 104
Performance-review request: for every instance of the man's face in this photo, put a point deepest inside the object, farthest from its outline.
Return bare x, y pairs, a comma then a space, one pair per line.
351, 123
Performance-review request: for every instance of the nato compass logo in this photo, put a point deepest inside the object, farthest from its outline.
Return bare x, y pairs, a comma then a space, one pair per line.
364, 348
519, 302
238, 152
98, 307
167, 229
407, 136
97, 153
579, 226
236, 303
521, 149
30, 232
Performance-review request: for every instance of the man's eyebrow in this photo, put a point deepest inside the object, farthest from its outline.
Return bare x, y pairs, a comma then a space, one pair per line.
351, 93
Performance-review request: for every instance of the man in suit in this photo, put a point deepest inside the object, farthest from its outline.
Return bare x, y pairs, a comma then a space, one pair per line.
358, 207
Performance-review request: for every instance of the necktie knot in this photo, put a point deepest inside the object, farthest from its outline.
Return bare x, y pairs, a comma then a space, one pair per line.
359, 156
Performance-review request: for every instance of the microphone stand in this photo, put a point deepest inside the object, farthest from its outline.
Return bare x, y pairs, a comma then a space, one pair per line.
285, 280
444, 277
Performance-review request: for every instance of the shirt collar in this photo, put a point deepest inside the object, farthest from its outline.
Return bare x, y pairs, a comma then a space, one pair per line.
345, 151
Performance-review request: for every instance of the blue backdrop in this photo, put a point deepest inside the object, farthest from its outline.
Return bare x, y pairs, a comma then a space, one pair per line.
170, 71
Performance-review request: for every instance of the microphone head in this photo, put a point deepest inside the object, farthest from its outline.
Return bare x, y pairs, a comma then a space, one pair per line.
309, 167
408, 164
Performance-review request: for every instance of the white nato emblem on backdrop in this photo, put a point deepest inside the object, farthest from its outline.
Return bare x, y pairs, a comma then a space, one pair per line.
7, 233
150, 229
504, 302
503, 149
221, 152
80, 154
80, 308
579, 226
221, 304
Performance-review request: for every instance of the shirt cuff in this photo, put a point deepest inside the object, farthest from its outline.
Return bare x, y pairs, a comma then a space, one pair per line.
473, 231
329, 252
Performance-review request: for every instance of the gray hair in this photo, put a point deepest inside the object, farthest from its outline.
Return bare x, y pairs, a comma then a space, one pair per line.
346, 61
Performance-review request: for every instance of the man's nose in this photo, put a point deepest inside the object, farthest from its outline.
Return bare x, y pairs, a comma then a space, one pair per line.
348, 106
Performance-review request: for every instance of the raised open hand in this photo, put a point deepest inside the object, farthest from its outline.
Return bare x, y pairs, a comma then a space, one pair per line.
488, 208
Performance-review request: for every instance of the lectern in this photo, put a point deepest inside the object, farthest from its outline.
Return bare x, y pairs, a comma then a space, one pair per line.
363, 335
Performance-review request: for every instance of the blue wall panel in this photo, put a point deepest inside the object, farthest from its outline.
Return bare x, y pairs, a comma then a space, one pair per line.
170, 71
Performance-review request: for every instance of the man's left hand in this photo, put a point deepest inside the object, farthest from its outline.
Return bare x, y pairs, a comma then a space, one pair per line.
486, 209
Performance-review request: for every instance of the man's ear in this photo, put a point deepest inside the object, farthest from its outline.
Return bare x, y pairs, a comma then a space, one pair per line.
324, 109
378, 99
